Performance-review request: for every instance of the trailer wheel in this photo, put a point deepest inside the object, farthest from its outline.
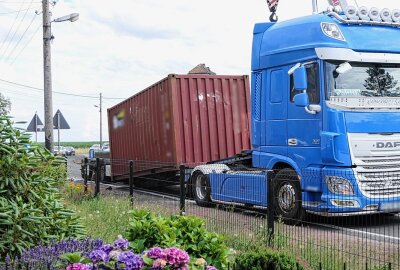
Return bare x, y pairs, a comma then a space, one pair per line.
287, 196
201, 189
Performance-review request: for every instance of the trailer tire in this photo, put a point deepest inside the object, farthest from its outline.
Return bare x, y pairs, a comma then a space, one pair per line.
201, 189
287, 196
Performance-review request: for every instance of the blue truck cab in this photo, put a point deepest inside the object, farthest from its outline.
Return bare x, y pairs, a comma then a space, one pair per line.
325, 102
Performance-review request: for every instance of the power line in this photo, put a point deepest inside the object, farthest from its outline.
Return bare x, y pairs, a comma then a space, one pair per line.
16, 30
12, 26
16, 45
16, 2
15, 11
60, 93
29, 41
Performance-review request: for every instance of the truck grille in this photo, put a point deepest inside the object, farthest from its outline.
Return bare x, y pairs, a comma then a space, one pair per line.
377, 170
383, 184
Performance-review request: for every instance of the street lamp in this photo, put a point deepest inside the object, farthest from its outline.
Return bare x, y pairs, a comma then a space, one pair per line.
48, 99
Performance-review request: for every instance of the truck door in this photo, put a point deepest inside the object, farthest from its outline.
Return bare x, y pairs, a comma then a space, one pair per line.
304, 139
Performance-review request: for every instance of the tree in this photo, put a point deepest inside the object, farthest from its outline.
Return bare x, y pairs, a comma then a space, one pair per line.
5, 105
379, 81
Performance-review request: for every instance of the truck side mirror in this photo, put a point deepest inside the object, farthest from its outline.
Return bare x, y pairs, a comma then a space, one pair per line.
301, 100
300, 79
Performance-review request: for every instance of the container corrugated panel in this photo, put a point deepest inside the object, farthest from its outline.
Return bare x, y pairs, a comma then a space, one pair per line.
182, 119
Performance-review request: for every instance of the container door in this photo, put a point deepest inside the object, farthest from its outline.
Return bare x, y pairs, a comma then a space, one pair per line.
304, 139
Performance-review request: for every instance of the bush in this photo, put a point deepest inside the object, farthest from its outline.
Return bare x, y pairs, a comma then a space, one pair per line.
189, 233
266, 260
31, 208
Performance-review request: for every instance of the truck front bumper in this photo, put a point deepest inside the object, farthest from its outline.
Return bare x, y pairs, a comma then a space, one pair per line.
336, 204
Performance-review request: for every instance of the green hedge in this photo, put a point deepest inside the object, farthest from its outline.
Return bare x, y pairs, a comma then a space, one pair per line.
264, 259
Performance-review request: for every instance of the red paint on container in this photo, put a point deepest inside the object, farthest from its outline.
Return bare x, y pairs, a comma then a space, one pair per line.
182, 119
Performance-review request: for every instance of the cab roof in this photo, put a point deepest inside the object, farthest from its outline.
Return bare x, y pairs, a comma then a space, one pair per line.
295, 40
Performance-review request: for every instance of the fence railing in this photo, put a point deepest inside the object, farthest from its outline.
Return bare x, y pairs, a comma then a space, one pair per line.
332, 234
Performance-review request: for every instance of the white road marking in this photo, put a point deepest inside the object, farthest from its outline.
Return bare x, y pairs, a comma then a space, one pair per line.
362, 232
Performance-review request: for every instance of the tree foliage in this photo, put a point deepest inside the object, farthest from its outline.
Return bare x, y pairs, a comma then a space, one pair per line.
379, 81
5, 105
31, 208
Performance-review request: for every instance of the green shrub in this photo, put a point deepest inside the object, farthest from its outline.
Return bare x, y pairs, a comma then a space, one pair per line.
264, 259
31, 208
147, 230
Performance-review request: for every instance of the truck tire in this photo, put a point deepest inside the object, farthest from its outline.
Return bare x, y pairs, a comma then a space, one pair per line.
287, 196
201, 189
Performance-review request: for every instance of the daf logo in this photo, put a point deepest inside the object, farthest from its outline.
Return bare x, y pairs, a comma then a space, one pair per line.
387, 144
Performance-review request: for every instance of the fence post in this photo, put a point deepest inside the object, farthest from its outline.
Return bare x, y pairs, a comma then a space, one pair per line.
270, 208
182, 205
85, 178
131, 180
98, 176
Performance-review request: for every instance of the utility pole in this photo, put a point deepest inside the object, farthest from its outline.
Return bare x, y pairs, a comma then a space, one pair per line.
48, 99
101, 121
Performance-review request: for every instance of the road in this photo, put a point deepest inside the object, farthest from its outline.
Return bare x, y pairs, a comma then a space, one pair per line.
384, 228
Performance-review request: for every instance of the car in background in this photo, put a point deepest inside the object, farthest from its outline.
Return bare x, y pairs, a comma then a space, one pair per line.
106, 147
95, 147
59, 151
69, 151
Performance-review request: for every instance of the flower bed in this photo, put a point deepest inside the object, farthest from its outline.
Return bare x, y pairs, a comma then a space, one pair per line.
91, 254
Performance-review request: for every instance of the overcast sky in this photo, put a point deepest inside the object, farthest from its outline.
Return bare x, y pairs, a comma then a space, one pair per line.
120, 47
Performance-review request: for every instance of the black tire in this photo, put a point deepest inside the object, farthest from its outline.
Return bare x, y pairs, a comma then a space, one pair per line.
201, 189
287, 197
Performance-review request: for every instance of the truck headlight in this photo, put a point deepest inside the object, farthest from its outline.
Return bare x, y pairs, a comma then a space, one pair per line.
339, 185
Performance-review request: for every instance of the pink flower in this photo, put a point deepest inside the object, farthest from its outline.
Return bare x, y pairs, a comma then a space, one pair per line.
159, 263
78, 266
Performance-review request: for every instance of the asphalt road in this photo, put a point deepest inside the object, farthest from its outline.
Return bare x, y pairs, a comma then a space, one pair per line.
384, 228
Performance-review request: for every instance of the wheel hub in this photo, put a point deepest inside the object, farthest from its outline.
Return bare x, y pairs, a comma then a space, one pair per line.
287, 197
201, 187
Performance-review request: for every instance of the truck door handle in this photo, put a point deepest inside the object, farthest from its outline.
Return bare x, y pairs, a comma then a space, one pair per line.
292, 142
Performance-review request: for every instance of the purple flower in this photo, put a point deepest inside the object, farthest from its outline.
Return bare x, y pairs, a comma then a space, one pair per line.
121, 243
98, 256
155, 253
130, 261
41, 256
176, 257
210, 267
78, 266
106, 248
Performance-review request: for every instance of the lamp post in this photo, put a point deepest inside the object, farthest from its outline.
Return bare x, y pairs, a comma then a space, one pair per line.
48, 99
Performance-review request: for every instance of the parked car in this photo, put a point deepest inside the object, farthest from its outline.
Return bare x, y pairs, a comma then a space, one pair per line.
95, 147
69, 151
106, 147
59, 151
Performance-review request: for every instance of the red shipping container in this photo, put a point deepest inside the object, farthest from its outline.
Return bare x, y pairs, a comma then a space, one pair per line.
182, 119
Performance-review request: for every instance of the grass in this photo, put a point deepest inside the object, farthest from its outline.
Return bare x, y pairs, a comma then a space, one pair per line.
82, 150
104, 218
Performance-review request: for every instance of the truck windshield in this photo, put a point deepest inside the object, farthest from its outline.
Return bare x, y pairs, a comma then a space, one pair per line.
365, 85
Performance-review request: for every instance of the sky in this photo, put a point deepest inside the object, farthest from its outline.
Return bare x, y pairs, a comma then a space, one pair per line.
118, 48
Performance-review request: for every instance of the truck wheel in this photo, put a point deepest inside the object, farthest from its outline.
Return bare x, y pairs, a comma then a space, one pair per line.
201, 189
287, 196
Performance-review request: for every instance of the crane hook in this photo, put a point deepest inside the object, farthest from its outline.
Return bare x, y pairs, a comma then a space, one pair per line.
273, 17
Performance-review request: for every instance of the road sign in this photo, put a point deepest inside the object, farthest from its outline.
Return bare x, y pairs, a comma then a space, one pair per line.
59, 118
36, 125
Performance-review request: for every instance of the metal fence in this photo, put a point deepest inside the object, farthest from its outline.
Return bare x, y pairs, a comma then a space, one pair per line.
336, 238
